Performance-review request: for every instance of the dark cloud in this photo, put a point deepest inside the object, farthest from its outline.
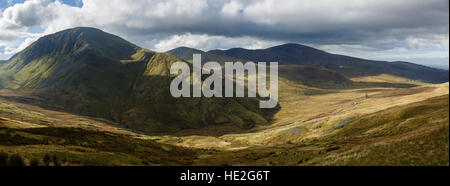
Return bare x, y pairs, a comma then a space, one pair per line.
386, 25
360, 25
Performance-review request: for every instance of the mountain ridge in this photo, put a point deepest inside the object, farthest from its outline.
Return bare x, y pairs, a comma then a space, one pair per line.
91, 72
186, 54
297, 54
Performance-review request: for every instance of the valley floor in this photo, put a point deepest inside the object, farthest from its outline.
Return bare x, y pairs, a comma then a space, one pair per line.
359, 126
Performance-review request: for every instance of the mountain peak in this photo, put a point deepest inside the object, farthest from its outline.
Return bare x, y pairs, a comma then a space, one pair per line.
85, 29
184, 49
294, 47
79, 30
289, 45
90, 72
86, 34
76, 40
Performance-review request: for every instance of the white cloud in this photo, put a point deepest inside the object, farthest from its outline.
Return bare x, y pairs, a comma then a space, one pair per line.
428, 41
25, 43
232, 9
345, 25
30, 13
344, 47
7, 50
206, 42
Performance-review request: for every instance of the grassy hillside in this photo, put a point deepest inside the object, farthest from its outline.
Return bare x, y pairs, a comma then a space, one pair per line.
74, 147
348, 66
315, 68
86, 97
413, 134
318, 128
90, 72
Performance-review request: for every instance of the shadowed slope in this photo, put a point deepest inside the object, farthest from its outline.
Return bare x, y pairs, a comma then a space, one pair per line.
90, 72
186, 54
348, 66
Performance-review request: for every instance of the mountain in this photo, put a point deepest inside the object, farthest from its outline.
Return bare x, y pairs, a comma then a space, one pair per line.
305, 75
90, 72
186, 54
348, 66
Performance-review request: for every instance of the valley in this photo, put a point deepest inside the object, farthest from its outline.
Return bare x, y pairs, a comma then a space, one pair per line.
303, 132
86, 97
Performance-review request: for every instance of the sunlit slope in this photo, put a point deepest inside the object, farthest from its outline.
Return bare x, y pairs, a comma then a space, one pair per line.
348, 66
391, 126
90, 72
307, 113
412, 134
79, 147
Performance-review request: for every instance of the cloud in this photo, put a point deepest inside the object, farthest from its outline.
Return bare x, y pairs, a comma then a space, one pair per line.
232, 9
30, 13
7, 50
342, 25
206, 42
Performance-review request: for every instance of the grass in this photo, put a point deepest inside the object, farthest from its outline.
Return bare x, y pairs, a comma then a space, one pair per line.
12, 109
387, 78
319, 112
84, 147
407, 133
414, 134
394, 121
92, 73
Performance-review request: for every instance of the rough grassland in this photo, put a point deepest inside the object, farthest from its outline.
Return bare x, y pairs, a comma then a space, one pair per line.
414, 134
365, 126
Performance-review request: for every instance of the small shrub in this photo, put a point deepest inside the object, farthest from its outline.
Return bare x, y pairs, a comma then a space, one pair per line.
55, 161
34, 162
47, 160
16, 160
3, 158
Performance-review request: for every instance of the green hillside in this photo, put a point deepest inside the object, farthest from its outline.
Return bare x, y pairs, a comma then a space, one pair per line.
348, 66
308, 74
90, 72
415, 134
74, 147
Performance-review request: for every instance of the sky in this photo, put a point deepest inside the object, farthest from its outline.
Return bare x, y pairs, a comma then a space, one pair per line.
401, 30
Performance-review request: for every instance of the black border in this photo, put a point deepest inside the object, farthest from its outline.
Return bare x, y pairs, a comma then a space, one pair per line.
171, 175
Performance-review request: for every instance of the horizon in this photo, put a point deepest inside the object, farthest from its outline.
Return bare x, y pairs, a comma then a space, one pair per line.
443, 67
398, 35
227, 84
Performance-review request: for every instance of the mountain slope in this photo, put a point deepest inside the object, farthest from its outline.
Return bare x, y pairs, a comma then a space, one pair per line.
76, 146
348, 66
58, 53
415, 134
186, 54
90, 72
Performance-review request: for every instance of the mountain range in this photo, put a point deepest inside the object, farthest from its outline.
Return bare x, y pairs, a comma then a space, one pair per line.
84, 97
296, 54
90, 72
